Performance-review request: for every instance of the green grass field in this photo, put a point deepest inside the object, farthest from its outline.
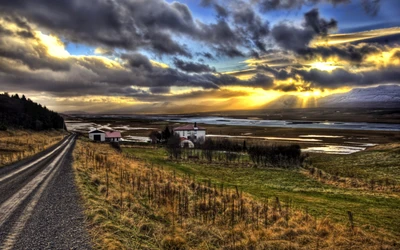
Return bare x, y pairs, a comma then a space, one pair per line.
375, 211
380, 163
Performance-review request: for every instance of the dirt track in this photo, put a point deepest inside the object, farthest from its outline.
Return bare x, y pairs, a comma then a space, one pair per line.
39, 203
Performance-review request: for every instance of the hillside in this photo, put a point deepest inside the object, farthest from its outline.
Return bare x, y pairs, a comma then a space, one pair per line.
23, 113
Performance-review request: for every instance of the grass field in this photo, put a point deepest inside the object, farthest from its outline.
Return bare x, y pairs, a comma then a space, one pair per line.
375, 211
138, 199
380, 164
16, 145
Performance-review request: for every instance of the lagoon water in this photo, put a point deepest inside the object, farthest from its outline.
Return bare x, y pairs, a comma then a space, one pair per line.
289, 124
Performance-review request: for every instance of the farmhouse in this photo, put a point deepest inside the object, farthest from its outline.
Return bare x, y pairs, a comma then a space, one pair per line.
97, 135
113, 136
191, 132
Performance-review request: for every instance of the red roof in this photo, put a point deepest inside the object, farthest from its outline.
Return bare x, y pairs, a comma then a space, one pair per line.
189, 127
113, 134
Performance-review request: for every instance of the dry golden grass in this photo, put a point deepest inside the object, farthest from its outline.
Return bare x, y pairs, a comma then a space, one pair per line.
16, 145
133, 205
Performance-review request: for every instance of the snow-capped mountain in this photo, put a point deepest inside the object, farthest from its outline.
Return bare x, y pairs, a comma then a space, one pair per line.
380, 96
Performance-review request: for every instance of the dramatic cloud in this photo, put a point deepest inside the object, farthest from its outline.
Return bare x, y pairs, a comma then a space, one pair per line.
270, 5
295, 38
156, 53
340, 77
192, 67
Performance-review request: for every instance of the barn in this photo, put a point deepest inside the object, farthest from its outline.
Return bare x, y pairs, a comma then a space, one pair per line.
97, 135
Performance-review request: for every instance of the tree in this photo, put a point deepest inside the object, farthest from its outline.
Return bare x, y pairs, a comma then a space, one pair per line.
155, 136
166, 134
23, 113
174, 146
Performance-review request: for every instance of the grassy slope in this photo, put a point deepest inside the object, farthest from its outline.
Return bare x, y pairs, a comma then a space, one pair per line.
371, 209
16, 145
380, 163
127, 218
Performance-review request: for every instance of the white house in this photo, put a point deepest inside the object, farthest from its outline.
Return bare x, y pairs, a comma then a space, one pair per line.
191, 132
113, 136
97, 135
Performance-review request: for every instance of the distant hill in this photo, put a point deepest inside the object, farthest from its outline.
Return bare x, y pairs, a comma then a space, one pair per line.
20, 112
384, 96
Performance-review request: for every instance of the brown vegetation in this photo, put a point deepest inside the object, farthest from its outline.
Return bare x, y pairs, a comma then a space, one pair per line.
16, 145
134, 205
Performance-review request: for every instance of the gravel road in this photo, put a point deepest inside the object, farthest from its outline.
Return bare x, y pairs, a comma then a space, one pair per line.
40, 207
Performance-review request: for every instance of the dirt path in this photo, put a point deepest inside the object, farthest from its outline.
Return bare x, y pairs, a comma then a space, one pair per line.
39, 203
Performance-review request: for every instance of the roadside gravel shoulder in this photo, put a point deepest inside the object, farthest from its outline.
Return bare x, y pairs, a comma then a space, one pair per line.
58, 221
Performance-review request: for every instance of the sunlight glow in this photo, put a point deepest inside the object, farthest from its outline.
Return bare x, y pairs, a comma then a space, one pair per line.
55, 47
334, 39
159, 64
325, 66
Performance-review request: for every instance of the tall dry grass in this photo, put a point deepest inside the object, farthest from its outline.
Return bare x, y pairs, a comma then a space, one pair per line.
16, 145
134, 205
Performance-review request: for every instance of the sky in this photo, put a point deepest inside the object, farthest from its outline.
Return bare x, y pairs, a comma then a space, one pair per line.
157, 56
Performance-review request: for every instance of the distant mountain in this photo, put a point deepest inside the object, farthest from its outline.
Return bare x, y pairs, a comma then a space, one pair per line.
75, 112
384, 96
381, 96
20, 112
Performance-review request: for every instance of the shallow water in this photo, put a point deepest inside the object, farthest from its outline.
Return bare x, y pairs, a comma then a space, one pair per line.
265, 138
333, 149
289, 124
132, 138
321, 136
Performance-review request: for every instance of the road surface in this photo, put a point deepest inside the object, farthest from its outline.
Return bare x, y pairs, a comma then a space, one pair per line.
40, 207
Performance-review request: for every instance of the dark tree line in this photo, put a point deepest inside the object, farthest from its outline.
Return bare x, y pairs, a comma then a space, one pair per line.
20, 112
224, 150
273, 155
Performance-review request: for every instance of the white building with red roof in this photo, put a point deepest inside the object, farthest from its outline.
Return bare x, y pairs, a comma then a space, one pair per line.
110, 136
191, 132
113, 136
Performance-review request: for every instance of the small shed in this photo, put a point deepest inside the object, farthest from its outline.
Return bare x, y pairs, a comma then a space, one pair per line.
97, 135
113, 136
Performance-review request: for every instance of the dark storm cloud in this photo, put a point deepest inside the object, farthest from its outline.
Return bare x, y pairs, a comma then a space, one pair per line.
35, 56
229, 51
151, 24
160, 90
286, 88
249, 22
221, 11
27, 65
206, 55
319, 25
340, 77
296, 38
192, 67
346, 52
137, 60
270, 5
123, 24
198, 94
281, 74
